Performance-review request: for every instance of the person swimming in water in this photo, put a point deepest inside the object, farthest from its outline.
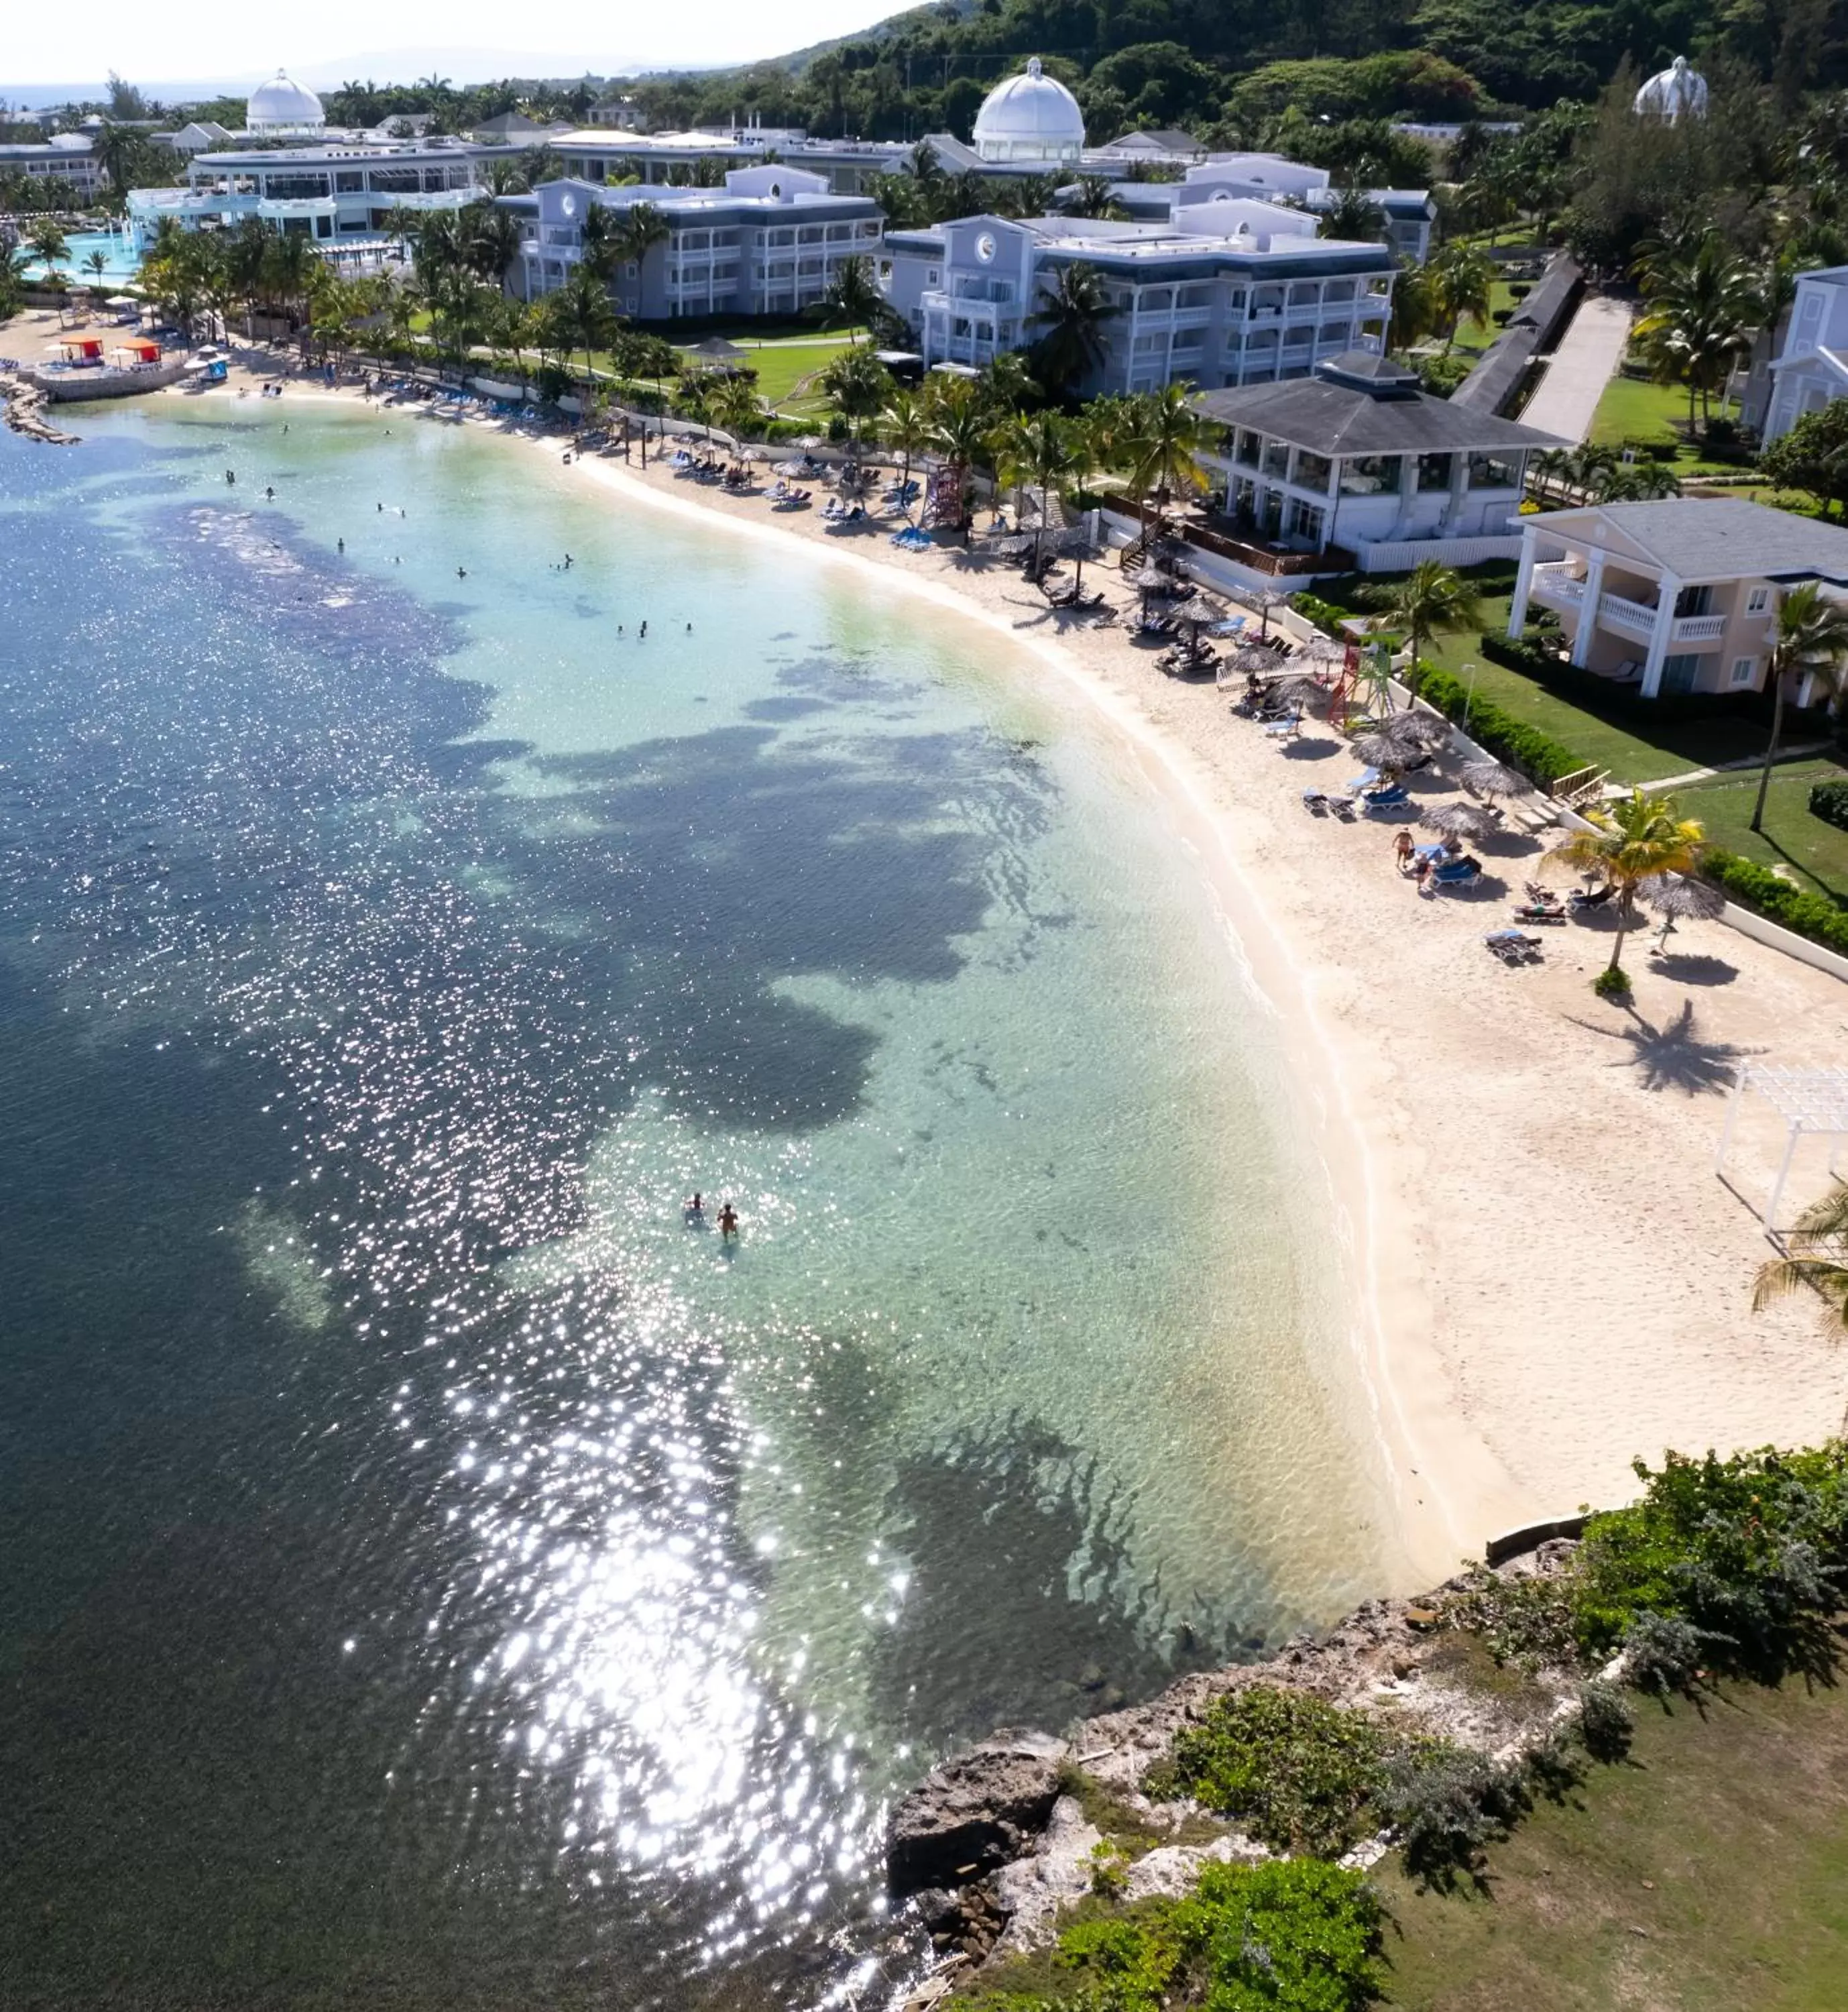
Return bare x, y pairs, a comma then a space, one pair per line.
728, 1223
641, 635
269, 495
696, 1209
461, 572
230, 478
340, 544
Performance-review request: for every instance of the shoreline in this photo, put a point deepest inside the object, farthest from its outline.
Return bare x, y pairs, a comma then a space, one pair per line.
1549, 1280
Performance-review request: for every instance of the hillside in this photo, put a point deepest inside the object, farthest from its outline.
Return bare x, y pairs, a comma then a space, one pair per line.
1226, 67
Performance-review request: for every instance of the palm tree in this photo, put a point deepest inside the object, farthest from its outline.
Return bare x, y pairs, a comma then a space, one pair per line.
491, 240
1167, 435
98, 263
1812, 643
584, 304
1819, 1247
906, 425
1041, 448
960, 429
1431, 597
604, 235
1702, 311
116, 148
859, 385
1091, 197
645, 227
1416, 307
1071, 345
1353, 215
1635, 840
1006, 386
49, 245
737, 406
1461, 280
853, 300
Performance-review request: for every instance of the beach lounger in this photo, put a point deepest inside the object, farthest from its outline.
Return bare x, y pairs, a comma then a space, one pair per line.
1391, 798
1512, 948
1316, 801
1454, 873
1595, 899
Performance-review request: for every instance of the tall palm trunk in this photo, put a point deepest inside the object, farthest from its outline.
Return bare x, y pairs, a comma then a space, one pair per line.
1770, 752
1626, 916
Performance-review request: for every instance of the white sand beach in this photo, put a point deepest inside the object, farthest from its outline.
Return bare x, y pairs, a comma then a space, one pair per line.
1553, 1281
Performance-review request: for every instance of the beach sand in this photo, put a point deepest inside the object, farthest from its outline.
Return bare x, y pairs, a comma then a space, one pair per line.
1552, 1279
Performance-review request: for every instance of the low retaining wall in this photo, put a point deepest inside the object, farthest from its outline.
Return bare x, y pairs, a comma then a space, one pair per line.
1530, 1536
1403, 556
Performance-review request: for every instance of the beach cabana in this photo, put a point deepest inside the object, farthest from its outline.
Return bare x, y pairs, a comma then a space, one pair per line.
1494, 779
81, 348
1457, 819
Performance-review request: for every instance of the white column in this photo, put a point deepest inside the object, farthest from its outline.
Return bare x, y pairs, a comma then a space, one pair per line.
1658, 641
1523, 582
1588, 608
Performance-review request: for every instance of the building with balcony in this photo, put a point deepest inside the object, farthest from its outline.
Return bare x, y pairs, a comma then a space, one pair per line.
1253, 297
770, 241
1810, 369
66, 161
1673, 596
1355, 463
341, 195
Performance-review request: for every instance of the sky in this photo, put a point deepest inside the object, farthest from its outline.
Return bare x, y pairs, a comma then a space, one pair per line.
468, 40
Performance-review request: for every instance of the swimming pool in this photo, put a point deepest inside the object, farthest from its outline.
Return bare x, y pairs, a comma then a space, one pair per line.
123, 263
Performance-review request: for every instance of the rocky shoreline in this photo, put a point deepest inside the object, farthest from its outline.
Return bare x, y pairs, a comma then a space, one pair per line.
995, 1841
25, 404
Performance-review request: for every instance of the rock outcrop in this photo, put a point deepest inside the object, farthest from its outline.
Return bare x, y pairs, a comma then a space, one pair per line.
975, 1813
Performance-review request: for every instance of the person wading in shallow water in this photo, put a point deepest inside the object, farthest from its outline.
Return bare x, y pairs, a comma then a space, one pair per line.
728, 1223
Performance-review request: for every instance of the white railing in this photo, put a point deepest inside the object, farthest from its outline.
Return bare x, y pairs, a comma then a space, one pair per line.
1621, 613
1557, 582
1700, 629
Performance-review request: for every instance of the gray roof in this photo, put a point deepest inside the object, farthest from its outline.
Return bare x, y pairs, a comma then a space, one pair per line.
1721, 538
1342, 414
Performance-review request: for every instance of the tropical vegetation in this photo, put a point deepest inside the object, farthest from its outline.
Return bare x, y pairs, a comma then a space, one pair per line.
1637, 838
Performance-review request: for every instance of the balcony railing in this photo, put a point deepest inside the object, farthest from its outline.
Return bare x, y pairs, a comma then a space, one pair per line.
1700, 629
1618, 612
1272, 559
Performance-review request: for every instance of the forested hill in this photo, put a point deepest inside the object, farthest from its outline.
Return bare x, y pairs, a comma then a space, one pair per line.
1225, 67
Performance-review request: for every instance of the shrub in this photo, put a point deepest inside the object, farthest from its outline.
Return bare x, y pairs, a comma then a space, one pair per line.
1829, 802
1438, 375
1780, 901
1326, 615
1296, 1933
1612, 982
1605, 1720
1299, 1774
1530, 1619
1663, 1653
1446, 1803
1110, 1867
1746, 1550
1536, 754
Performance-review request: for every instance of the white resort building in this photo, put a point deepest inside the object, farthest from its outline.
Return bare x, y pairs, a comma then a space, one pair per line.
1355, 468
1215, 281
67, 160
1810, 369
1411, 215
770, 241
1673, 596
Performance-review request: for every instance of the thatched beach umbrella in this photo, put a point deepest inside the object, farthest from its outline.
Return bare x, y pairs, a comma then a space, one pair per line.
1381, 751
1423, 732
1320, 649
1494, 779
1254, 660
1680, 899
1454, 818
1295, 688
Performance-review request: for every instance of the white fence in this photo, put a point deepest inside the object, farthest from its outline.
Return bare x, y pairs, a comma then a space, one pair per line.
1402, 555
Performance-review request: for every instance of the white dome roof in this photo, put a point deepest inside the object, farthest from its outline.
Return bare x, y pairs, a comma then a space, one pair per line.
282, 106
1031, 117
1673, 92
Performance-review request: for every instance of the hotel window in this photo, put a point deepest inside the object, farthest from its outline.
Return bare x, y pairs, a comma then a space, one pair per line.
1305, 521
1744, 669
1758, 600
1491, 471
1434, 470
1276, 459
1312, 470
1249, 451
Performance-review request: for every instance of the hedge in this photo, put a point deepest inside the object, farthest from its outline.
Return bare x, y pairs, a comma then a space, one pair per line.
1611, 700
1326, 615
1778, 900
1829, 802
1536, 754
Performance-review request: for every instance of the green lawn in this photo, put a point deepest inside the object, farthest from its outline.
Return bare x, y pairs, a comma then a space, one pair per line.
1469, 336
1633, 752
781, 364
1710, 1873
1792, 836
1653, 415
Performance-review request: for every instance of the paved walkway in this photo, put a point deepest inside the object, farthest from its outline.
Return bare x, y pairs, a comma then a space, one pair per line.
1584, 363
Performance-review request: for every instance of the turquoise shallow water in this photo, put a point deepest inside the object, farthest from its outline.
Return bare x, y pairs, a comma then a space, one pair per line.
436, 1574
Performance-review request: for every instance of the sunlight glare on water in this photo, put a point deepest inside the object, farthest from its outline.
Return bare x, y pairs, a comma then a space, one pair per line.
413, 1498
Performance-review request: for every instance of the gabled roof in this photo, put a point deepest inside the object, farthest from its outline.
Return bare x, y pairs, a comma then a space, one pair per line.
1342, 413
1721, 538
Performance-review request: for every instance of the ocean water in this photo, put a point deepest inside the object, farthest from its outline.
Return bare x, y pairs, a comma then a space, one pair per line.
433, 1572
